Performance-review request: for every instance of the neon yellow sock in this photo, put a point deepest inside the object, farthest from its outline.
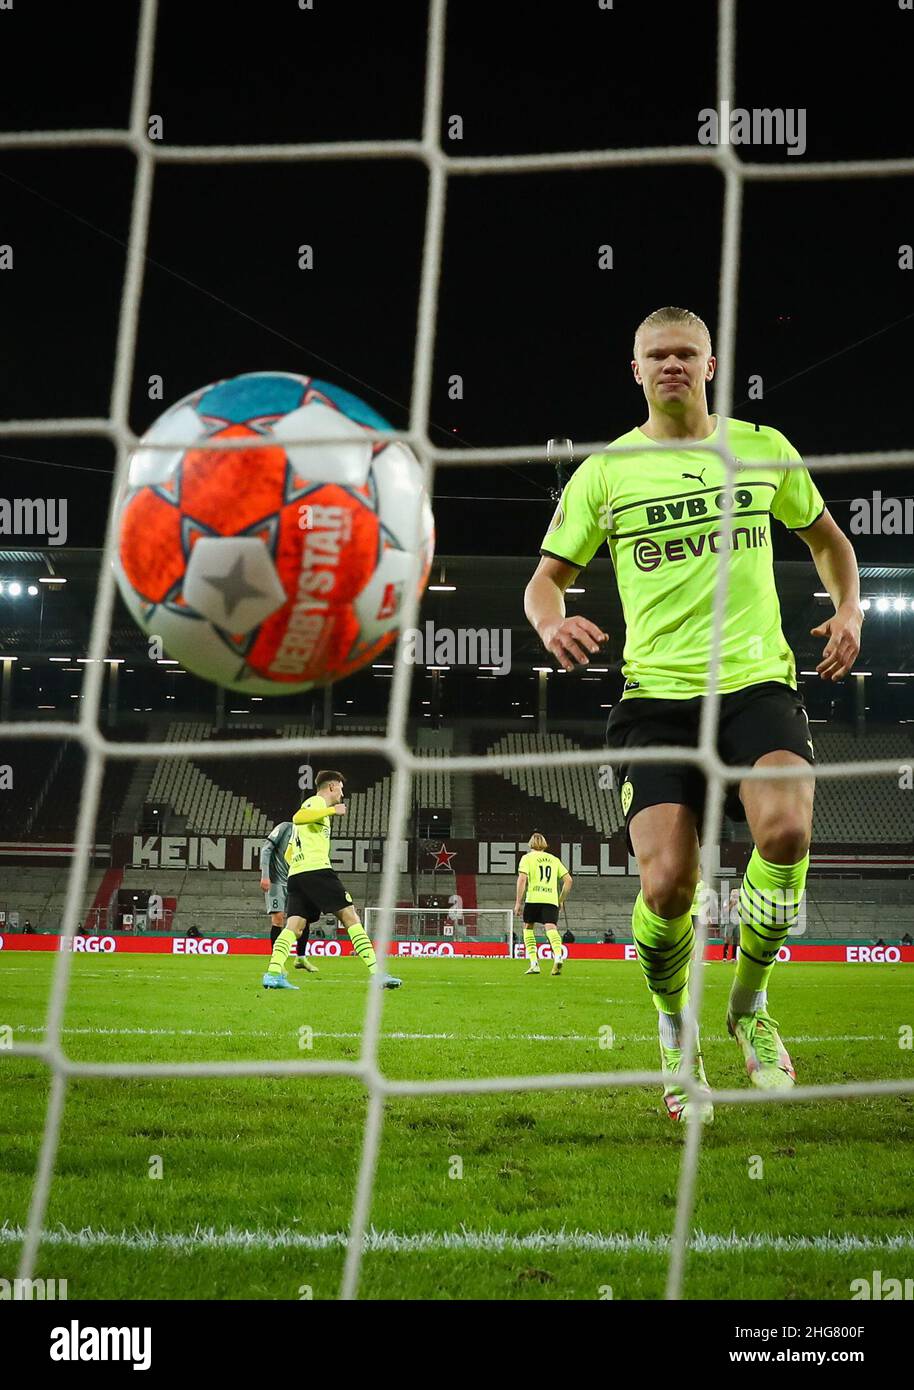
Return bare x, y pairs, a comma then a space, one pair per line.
281, 948
664, 947
362, 946
530, 943
555, 941
769, 905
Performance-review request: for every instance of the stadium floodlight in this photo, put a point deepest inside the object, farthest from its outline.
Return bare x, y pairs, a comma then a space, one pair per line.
60, 658
575, 591
33, 589
900, 604
15, 589
51, 579
866, 604
882, 605
442, 587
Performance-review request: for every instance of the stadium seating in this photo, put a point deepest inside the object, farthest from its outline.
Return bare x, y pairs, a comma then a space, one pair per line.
575, 789
248, 796
39, 893
863, 810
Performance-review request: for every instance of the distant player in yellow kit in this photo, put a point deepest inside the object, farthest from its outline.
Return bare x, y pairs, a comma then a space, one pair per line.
539, 877
314, 887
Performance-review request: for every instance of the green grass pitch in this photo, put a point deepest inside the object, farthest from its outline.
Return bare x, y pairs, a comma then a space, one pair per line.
563, 1194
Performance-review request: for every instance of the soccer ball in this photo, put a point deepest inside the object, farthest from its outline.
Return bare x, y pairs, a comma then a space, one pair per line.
274, 567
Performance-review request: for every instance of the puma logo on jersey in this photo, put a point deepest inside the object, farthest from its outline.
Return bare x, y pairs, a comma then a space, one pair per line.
699, 478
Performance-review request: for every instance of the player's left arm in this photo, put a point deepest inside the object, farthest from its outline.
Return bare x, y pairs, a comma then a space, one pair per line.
836, 564
519, 896
567, 882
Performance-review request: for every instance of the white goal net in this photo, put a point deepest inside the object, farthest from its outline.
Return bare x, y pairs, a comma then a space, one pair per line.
393, 745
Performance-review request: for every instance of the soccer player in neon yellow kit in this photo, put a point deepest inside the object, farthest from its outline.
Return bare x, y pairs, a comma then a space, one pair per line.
538, 877
660, 515
314, 887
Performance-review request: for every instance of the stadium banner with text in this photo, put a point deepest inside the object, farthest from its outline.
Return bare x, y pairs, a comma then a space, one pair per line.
589, 856
259, 946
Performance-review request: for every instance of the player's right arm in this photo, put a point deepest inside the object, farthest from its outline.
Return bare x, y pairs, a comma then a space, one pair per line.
567, 882
576, 532
572, 641
520, 894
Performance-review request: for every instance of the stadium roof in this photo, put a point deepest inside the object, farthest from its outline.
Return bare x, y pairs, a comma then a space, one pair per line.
488, 593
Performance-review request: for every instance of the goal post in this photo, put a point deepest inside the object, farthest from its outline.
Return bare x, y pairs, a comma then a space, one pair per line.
447, 924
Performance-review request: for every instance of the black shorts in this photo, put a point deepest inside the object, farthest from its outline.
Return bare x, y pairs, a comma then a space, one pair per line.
544, 914
754, 721
314, 892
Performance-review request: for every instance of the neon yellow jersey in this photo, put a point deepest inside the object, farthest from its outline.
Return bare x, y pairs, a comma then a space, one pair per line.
310, 844
659, 515
544, 873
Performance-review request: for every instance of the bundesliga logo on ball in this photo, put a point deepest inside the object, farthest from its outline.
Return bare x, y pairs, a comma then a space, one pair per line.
275, 566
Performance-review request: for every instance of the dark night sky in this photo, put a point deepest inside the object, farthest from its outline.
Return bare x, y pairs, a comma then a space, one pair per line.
539, 334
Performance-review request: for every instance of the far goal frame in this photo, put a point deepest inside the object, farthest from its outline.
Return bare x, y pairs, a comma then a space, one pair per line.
499, 924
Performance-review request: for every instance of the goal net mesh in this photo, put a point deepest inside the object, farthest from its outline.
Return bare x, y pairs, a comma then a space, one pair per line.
393, 745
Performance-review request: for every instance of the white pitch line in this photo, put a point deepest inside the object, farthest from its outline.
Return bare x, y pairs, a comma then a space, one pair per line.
488, 1241
418, 1037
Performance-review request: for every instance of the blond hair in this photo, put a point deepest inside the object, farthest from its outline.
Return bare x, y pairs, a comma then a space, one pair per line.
538, 841
669, 316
